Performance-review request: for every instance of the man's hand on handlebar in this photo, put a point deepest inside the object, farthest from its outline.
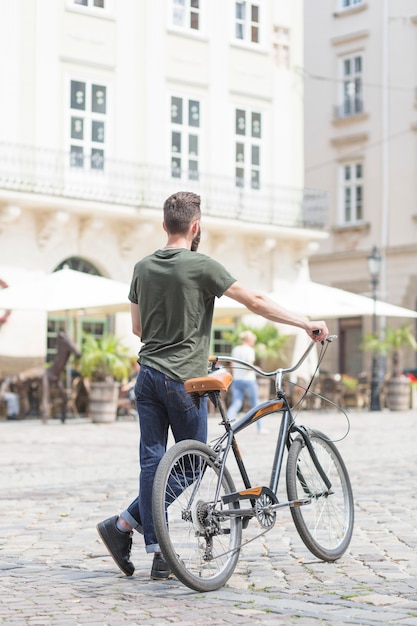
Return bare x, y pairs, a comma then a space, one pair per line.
318, 331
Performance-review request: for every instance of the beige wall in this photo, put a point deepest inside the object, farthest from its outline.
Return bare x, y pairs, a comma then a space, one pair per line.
112, 219
383, 137
389, 219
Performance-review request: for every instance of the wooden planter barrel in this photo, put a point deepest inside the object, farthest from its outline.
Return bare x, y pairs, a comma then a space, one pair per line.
398, 393
102, 401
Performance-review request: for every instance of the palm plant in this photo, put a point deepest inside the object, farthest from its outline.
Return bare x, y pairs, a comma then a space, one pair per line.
392, 344
105, 357
270, 347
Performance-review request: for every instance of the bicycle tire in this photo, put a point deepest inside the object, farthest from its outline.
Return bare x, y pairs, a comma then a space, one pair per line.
326, 524
199, 544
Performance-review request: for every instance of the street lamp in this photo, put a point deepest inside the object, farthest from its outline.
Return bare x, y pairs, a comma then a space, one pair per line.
374, 266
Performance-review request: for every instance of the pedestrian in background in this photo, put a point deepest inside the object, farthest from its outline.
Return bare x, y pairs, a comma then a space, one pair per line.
244, 385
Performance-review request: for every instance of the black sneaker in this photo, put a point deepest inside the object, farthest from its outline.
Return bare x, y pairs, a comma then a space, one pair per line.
160, 569
118, 543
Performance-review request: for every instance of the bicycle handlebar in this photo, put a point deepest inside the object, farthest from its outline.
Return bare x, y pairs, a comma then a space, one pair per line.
279, 370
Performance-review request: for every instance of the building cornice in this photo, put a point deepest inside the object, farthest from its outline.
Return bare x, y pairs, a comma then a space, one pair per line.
348, 140
175, 80
349, 119
349, 255
351, 10
355, 226
349, 37
86, 63
239, 93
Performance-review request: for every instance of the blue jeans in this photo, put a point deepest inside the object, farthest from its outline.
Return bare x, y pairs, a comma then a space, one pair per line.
241, 390
161, 403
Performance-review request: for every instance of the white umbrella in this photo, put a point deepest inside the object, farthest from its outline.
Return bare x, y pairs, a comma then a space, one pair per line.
66, 290
318, 301
321, 301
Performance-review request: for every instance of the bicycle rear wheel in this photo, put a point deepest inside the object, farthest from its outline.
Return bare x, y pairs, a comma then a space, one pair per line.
201, 543
325, 525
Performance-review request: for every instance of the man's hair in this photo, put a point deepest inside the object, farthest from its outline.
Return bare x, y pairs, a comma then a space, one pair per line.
180, 210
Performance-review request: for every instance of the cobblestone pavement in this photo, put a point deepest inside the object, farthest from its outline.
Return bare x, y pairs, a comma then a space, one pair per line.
57, 481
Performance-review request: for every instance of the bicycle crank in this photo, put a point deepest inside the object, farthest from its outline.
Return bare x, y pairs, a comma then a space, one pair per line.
264, 511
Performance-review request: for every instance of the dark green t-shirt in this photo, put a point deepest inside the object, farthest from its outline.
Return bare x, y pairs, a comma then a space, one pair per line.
175, 291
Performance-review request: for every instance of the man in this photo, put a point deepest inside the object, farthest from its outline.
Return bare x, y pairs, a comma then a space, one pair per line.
172, 300
10, 396
244, 385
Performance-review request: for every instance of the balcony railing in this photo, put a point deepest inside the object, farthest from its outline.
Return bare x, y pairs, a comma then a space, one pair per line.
349, 107
48, 172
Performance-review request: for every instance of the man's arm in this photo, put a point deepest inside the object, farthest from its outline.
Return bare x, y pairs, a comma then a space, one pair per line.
136, 321
262, 305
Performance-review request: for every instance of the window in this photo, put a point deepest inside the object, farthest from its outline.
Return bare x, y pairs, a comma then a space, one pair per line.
93, 326
219, 344
88, 109
352, 174
186, 14
347, 4
248, 131
247, 21
185, 138
352, 86
281, 46
99, 4
55, 325
79, 265
97, 8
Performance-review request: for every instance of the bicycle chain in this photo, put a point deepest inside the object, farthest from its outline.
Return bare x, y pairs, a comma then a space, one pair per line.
245, 543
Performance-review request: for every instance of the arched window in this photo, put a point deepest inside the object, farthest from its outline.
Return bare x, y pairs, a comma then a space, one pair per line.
74, 325
79, 264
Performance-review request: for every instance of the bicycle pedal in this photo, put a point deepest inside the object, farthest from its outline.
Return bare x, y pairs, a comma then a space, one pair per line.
295, 503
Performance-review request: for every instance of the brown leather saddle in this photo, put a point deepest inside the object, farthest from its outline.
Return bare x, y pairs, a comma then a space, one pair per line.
219, 380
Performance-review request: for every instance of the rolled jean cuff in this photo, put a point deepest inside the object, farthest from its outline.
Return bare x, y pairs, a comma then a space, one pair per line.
132, 522
153, 547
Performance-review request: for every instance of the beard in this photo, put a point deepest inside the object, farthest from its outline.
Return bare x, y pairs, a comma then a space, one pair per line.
196, 241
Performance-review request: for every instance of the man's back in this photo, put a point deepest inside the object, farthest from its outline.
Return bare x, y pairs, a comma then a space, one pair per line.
175, 291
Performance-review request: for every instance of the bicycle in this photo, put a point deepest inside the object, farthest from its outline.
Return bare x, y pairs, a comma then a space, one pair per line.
199, 516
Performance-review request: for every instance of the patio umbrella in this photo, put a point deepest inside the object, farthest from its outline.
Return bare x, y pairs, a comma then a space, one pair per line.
318, 301
66, 290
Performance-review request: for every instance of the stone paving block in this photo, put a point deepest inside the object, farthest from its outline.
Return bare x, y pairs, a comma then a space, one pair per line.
50, 543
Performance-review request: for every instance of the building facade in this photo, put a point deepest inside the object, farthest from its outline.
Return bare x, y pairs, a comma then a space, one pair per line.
360, 73
108, 107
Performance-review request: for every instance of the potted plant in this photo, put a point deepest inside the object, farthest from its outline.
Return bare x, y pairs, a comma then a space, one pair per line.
349, 389
105, 362
392, 344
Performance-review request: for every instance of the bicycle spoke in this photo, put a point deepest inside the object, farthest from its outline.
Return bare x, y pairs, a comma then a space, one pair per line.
199, 540
325, 525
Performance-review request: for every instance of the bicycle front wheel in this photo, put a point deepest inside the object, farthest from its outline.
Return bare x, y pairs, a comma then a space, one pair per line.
326, 524
199, 537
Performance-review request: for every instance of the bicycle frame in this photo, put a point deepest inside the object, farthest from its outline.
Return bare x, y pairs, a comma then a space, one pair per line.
228, 441
207, 510
279, 404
